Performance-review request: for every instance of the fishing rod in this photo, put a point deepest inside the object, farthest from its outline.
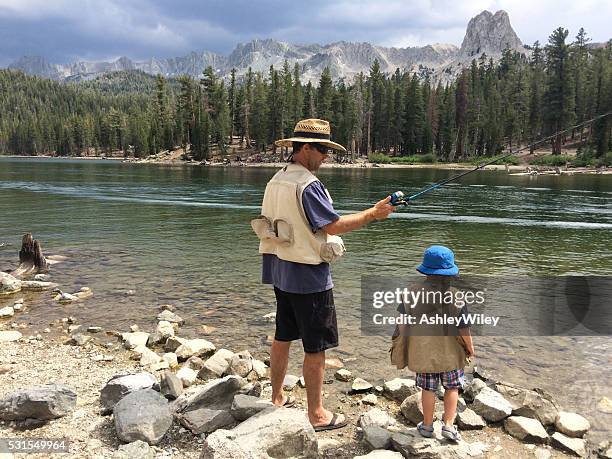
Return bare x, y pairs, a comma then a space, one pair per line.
398, 198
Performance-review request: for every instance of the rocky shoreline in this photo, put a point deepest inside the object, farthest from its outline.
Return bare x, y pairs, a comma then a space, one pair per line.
144, 394
359, 164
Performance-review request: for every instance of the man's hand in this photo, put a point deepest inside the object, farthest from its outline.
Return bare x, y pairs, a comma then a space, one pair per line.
382, 209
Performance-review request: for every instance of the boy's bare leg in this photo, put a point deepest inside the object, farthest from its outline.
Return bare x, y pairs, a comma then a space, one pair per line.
429, 403
450, 406
279, 359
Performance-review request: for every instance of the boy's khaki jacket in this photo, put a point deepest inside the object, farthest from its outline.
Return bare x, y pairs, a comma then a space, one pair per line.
428, 354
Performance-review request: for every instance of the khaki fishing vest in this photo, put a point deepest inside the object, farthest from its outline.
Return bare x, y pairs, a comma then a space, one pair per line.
428, 354
283, 228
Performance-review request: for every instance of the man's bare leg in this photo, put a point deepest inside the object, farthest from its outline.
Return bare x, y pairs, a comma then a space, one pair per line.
314, 368
279, 359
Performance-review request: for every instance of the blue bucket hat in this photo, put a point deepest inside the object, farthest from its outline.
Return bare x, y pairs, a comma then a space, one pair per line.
439, 260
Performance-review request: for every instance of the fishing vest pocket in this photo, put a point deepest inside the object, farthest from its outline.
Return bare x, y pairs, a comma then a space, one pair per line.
279, 232
332, 249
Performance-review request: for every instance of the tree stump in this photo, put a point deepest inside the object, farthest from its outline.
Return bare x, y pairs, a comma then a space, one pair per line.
31, 259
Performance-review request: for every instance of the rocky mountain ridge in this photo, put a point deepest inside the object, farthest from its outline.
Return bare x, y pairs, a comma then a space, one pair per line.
486, 33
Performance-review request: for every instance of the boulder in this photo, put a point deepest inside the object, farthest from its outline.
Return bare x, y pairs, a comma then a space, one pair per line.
9, 284
142, 415
605, 405
290, 381
369, 399
165, 329
41, 403
343, 375
169, 316
9, 335
575, 446
241, 364
571, 424
134, 339
376, 437
194, 347
187, 376
170, 385
79, 339
217, 365
529, 403
121, 385
333, 363
155, 338
147, 356
245, 406
398, 389
173, 343
472, 389
204, 420
272, 433
217, 394
525, 429
360, 385
468, 420
604, 449
542, 453
412, 408
491, 405
411, 444
195, 363
136, 450
376, 417
260, 370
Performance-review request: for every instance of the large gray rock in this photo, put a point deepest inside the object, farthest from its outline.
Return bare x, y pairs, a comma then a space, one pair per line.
241, 364
376, 437
529, 403
411, 444
173, 343
472, 389
525, 429
376, 417
571, 424
187, 376
196, 347
136, 450
169, 316
121, 385
217, 365
360, 385
217, 394
7, 311
170, 385
399, 388
42, 403
142, 415
9, 284
244, 406
37, 286
272, 433
134, 339
204, 420
412, 408
491, 405
468, 420
562, 442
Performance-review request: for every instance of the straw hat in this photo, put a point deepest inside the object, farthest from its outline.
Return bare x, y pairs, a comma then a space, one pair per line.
311, 131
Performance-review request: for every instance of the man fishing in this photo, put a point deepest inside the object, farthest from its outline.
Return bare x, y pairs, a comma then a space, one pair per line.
298, 239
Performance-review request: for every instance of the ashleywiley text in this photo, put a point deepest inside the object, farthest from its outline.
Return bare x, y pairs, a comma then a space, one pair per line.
435, 319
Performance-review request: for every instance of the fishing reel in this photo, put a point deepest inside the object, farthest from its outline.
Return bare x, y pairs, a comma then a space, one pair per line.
398, 199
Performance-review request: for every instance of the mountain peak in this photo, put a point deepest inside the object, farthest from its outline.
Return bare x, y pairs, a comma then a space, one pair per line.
489, 33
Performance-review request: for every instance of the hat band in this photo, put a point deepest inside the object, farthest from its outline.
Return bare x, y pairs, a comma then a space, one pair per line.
311, 135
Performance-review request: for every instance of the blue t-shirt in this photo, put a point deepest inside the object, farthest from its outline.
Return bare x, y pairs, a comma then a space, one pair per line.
298, 277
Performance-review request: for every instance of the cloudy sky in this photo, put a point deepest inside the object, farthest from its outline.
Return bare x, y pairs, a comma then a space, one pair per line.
68, 30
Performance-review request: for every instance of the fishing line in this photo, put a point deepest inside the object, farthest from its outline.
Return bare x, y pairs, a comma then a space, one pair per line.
398, 198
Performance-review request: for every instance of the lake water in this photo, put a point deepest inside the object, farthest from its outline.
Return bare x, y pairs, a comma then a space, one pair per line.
181, 235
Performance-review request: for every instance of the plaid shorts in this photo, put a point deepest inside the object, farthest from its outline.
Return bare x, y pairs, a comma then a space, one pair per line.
454, 379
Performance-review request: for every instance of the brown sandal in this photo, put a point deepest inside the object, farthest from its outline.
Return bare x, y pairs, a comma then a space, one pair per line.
332, 424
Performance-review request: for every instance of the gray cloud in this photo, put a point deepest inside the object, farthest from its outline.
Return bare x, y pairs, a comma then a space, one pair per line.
68, 30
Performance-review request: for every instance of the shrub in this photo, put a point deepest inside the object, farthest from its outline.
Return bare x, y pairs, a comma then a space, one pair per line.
552, 160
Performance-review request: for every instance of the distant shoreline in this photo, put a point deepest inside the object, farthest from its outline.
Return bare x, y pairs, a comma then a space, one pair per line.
515, 170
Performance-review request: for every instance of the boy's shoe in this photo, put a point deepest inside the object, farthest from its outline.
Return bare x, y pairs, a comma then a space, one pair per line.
425, 430
451, 433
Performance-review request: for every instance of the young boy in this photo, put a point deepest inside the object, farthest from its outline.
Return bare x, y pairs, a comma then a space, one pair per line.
439, 358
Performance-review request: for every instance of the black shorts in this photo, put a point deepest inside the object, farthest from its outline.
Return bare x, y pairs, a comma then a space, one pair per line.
310, 316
